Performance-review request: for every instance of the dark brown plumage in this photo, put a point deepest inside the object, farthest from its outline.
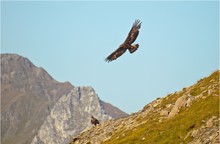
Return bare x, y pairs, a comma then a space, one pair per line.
132, 35
94, 121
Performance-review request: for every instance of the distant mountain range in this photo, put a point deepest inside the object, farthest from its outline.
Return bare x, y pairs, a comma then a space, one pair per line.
37, 109
190, 116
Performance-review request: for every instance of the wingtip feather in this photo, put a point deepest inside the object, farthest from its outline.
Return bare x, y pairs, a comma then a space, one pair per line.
137, 23
107, 60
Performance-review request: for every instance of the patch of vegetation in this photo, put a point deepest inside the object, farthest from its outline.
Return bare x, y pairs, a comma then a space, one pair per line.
171, 130
170, 99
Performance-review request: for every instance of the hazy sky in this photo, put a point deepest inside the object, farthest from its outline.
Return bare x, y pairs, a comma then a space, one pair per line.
178, 44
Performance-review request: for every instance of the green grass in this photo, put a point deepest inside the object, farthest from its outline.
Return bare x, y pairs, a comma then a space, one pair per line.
171, 130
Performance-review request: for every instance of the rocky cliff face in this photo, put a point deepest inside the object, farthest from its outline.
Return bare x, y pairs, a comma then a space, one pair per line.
71, 115
36, 108
188, 116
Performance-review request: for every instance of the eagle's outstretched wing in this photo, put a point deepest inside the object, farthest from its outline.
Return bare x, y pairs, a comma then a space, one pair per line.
117, 53
132, 35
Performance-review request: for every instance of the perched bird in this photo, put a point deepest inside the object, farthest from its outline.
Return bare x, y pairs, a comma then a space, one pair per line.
94, 121
132, 35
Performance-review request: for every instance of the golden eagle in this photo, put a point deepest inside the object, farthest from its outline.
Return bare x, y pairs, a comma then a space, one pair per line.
132, 35
94, 121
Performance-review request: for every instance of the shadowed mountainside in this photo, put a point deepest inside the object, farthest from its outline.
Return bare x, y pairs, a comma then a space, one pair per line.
27, 95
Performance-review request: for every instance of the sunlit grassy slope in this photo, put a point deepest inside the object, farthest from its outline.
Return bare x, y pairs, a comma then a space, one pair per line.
174, 130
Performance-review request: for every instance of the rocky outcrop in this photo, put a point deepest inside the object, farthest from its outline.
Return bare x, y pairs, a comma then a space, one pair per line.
35, 108
206, 133
180, 102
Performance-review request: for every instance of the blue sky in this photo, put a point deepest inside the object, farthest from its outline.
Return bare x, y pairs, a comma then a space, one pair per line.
178, 44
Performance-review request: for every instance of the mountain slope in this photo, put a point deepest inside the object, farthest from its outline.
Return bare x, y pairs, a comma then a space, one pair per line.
114, 112
187, 116
26, 94
34, 105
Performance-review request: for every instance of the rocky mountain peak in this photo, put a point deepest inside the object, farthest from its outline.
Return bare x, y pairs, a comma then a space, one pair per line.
35, 108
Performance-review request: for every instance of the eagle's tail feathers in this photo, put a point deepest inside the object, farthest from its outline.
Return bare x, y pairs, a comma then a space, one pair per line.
133, 48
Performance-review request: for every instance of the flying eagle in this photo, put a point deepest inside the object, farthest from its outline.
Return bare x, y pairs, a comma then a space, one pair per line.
94, 121
132, 35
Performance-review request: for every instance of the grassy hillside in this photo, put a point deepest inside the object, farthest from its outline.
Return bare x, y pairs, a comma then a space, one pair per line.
171, 130
174, 130
188, 116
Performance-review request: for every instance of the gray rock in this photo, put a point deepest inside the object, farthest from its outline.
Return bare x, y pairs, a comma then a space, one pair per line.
180, 102
164, 112
209, 123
